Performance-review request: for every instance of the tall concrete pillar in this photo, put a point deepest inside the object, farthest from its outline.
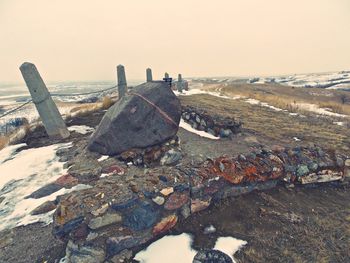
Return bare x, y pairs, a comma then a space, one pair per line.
149, 75
122, 85
47, 109
179, 83
166, 75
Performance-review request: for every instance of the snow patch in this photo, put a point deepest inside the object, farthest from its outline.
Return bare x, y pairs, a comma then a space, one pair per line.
22, 173
82, 129
229, 245
188, 127
321, 111
104, 157
163, 249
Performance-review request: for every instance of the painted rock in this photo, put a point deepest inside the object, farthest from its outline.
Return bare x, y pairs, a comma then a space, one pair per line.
176, 200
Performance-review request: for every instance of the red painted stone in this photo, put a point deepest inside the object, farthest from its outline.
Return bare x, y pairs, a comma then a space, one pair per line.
176, 200
67, 180
115, 169
165, 224
199, 205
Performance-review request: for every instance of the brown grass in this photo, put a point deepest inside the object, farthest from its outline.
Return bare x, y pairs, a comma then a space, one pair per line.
4, 140
284, 97
278, 127
107, 102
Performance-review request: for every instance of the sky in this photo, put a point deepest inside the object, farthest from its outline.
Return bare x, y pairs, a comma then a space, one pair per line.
86, 39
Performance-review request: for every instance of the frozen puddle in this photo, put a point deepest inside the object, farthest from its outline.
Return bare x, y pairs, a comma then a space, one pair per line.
174, 249
82, 129
23, 173
189, 128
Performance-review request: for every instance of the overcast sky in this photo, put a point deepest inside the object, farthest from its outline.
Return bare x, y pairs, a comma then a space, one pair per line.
86, 39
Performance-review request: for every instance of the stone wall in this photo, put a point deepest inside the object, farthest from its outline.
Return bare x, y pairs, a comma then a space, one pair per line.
215, 125
111, 219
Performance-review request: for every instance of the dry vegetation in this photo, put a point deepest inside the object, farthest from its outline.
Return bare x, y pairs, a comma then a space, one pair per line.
86, 109
286, 97
276, 126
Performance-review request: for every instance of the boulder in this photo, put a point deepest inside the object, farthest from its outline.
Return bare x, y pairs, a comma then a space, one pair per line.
146, 116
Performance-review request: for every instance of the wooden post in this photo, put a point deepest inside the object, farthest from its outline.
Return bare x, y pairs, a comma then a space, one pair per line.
47, 109
122, 85
149, 75
179, 83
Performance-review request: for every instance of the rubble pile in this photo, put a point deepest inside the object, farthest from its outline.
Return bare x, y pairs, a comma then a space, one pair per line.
215, 125
133, 206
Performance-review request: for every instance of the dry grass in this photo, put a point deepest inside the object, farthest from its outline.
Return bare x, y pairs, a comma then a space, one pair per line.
284, 97
278, 127
89, 108
4, 140
107, 102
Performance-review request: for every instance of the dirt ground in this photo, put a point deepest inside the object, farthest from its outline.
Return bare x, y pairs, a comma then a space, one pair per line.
281, 225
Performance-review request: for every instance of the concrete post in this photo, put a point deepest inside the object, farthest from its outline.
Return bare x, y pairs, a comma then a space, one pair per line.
122, 85
149, 75
49, 114
179, 83
166, 75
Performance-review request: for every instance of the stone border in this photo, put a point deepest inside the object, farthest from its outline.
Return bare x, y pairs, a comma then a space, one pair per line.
103, 225
216, 125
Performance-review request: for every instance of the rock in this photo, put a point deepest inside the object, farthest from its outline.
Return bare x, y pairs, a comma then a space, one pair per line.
80, 233
2, 199
225, 133
142, 217
313, 166
115, 245
171, 157
211, 256
86, 170
167, 191
186, 211
84, 254
100, 210
159, 200
44, 208
114, 169
163, 178
165, 224
199, 205
176, 200
105, 220
123, 256
62, 231
340, 162
67, 181
347, 163
302, 170
45, 191
324, 177
148, 116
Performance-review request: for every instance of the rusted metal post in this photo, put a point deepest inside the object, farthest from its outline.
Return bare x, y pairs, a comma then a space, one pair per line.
47, 109
122, 85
